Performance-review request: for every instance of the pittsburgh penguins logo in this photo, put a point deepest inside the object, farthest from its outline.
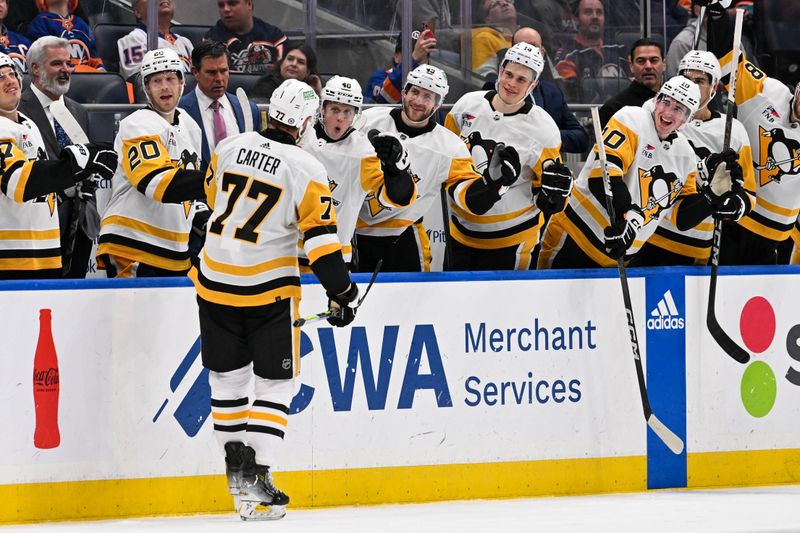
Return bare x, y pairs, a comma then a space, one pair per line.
659, 190
778, 155
480, 149
188, 160
375, 205
332, 184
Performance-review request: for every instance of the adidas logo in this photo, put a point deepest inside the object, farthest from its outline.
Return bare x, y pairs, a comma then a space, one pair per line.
665, 315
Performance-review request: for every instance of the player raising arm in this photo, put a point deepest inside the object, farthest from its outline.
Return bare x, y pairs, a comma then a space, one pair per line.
30, 245
264, 192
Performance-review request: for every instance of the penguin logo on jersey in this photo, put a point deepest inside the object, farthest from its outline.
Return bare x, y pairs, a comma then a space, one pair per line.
188, 160
778, 155
332, 186
480, 149
659, 191
375, 205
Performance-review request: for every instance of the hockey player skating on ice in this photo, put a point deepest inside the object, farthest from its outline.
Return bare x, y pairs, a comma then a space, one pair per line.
264, 192
770, 113
705, 131
410, 136
354, 170
652, 166
509, 208
28, 184
146, 224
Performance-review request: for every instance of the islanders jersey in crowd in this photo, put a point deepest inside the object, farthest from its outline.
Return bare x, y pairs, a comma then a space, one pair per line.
133, 46
14, 46
655, 173
141, 223
265, 192
254, 51
74, 29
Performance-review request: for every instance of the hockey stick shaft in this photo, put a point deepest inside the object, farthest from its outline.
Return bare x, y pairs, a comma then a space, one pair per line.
334, 312
699, 29
670, 439
723, 339
246, 111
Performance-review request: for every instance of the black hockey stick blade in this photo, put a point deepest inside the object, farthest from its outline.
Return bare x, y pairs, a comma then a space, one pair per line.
673, 442
737, 353
371, 282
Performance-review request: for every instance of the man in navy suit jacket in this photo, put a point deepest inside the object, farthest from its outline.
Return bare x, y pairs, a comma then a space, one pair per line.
216, 111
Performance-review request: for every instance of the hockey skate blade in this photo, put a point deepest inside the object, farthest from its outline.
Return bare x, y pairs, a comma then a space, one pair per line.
255, 511
673, 442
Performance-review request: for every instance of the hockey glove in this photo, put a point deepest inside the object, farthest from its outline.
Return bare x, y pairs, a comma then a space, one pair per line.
620, 235
725, 174
732, 206
557, 181
200, 221
504, 166
343, 306
390, 151
714, 8
90, 159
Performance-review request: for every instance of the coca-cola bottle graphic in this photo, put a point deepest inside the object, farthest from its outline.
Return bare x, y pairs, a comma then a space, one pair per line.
45, 385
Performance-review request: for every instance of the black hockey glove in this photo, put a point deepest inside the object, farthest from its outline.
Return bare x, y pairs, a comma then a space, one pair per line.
620, 235
88, 160
723, 174
343, 306
557, 181
390, 151
504, 166
200, 220
731, 206
714, 8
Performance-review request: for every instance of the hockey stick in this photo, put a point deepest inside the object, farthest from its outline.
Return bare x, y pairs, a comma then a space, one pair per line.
724, 341
76, 134
772, 165
246, 111
300, 322
673, 442
699, 29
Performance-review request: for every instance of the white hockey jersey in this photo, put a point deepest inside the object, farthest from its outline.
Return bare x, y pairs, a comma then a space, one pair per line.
133, 46
264, 192
764, 108
30, 238
136, 224
354, 171
515, 217
656, 173
706, 137
438, 157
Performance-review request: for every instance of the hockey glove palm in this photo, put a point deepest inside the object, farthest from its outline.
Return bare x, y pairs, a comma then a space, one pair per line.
343, 306
715, 171
504, 167
557, 181
91, 159
390, 151
620, 235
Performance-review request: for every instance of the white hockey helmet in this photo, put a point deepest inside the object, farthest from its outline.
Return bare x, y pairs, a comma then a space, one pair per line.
161, 60
343, 90
703, 61
526, 55
682, 90
431, 78
293, 102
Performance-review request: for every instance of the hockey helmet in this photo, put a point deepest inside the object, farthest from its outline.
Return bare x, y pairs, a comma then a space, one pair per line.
6, 61
431, 78
682, 90
161, 60
343, 90
293, 102
703, 61
526, 55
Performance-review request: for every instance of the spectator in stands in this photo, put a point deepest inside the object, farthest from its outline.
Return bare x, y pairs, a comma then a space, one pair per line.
684, 41
534, 34
388, 91
500, 19
254, 46
375, 83
51, 71
133, 46
548, 96
557, 15
299, 63
12, 44
587, 55
22, 12
55, 18
216, 111
647, 67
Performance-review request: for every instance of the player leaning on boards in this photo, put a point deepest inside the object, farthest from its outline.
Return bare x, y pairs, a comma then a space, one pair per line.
770, 113
705, 131
264, 192
30, 246
436, 156
146, 224
653, 171
496, 220
353, 168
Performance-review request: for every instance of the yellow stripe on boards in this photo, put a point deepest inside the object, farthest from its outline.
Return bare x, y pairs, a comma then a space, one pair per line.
742, 468
85, 500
